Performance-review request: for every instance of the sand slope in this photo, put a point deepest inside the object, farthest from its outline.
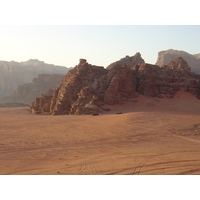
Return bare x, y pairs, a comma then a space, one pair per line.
152, 136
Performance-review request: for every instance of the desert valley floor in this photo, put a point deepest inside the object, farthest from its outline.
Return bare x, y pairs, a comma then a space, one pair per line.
151, 136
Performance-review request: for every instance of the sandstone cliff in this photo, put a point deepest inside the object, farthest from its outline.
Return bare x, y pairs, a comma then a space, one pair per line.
88, 89
164, 57
27, 93
128, 61
14, 74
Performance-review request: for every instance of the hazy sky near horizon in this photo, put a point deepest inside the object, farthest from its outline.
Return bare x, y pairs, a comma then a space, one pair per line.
99, 44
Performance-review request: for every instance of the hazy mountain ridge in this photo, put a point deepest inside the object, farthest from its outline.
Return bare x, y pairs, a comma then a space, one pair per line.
14, 74
29, 91
166, 56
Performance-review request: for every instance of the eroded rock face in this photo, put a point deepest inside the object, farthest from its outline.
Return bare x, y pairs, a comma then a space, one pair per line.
148, 78
179, 64
165, 81
121, 86
71, 91
165, 57
88, 89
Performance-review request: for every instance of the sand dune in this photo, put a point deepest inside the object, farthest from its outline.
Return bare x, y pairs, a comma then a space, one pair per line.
152, 136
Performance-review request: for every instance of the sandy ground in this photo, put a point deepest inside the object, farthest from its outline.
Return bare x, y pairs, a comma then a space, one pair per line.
151, 136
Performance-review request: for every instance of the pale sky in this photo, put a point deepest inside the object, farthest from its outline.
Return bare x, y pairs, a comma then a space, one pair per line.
100, 45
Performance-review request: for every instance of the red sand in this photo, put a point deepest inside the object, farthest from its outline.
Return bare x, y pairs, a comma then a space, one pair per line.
152, 136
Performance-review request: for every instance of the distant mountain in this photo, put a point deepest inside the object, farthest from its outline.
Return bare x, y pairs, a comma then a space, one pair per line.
129, 61
165, 57
26, 94
14, 74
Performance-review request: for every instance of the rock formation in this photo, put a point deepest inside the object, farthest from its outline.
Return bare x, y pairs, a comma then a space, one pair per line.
128, 61
27, 93
165, 81
197, 55
165, 57
14, 74
88, 89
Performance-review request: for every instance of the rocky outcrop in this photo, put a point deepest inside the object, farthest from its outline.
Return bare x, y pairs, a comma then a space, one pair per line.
165, 81
73, 88
165, 57
43, 103
178, 64
89, 89
121, 85
128, 61
14, 74
148, 78
27, 93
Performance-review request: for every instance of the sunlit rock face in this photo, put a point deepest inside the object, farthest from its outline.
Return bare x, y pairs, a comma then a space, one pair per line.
89, 89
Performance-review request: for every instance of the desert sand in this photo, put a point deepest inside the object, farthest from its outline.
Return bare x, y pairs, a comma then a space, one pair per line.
152, 136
